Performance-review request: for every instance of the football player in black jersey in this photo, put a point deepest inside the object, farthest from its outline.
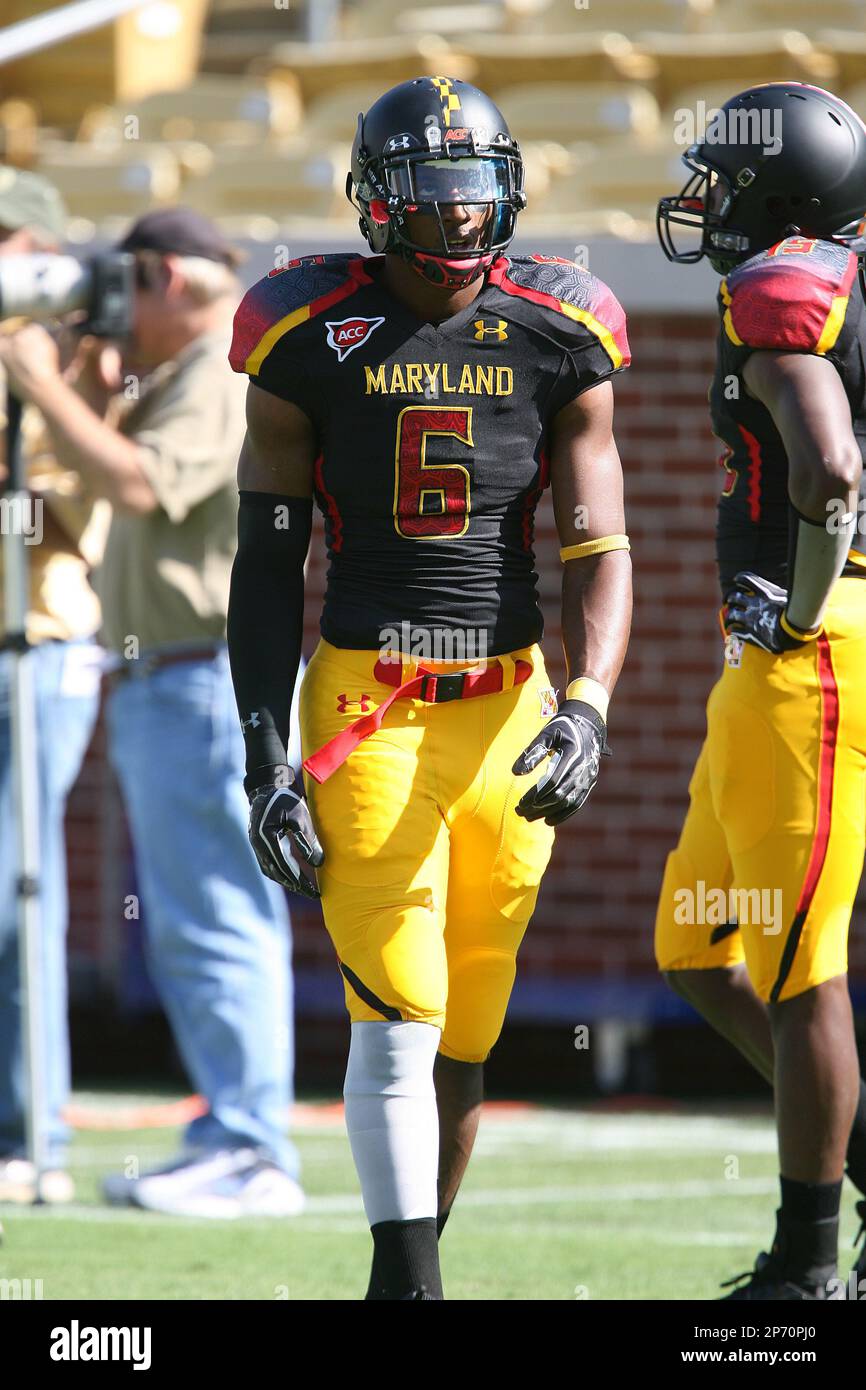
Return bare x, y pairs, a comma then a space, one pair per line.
775, 833
425, 396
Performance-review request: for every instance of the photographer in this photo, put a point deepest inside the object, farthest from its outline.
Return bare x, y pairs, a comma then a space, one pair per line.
63, 615
217, 930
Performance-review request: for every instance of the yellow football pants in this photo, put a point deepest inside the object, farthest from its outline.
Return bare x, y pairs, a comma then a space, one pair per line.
775, 833
430, 878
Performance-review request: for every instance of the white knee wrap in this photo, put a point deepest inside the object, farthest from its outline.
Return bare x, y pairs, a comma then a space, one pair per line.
392, 1119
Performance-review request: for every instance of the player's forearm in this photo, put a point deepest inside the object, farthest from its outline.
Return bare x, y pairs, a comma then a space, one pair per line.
823, 495
596, 617
265, 621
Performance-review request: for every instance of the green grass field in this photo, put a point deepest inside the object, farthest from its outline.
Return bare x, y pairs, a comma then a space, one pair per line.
558, 1204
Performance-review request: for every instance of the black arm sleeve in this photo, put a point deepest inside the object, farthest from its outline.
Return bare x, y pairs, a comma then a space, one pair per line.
265, 623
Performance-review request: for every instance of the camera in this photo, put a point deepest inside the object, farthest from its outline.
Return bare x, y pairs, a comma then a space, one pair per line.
50, 287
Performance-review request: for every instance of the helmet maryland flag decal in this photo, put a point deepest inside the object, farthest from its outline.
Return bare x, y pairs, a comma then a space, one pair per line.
447, 95
347, 334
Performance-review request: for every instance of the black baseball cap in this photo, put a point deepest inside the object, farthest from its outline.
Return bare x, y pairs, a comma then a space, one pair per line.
180, 232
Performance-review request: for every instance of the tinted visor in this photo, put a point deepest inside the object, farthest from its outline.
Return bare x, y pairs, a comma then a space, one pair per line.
465, 180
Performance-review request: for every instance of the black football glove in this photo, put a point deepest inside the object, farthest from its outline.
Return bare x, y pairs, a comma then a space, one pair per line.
754, 612
281, 832
575, 740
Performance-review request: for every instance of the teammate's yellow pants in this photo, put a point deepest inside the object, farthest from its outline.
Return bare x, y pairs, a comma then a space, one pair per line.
430, 877
771, 851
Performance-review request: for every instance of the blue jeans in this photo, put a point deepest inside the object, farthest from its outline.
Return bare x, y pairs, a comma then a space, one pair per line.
66, 682
217, 934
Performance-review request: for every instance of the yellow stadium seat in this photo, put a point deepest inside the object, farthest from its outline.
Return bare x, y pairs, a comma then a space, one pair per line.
319, 68
334, 115
806, 15
273, 183
213, 109
698, 102
847, 52
622, 16
504, 61
856, 98
579, 111
687, 60
627, 179
582, 224
151, 47
96, 187
445, 17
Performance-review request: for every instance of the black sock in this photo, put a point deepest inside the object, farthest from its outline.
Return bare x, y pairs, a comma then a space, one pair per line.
376, 1286
406, 1258
810, 1201
857, 1143
807, 1231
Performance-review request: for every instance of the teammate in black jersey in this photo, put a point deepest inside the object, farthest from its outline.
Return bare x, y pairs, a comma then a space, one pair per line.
425, 397
777, 822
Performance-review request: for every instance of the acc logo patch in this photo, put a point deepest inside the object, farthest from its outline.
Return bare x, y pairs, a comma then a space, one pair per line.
549, 704
347, 334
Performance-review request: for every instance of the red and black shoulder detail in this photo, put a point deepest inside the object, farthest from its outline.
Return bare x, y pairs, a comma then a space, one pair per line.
287, 297
792, 297
567, 289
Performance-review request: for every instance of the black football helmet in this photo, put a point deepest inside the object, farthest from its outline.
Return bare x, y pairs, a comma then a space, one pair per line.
425, 146
782, 159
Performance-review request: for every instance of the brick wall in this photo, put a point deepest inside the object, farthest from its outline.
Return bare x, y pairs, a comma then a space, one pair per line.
597, 904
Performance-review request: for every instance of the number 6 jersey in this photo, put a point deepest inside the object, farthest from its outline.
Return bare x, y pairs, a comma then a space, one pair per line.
432, 439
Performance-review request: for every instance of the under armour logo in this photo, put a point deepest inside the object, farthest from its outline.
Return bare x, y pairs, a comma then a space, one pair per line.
253, 722
360, 705
497, 331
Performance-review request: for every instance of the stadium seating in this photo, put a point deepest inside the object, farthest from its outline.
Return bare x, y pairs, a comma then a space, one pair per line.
856, 97
699, 101
504, 61
334, 115
805, 15
156, 47
623, 16
619, 177
275, 183
460, 17
216, 109
682, 61
847, 52
321, 68
580, 111
95, 187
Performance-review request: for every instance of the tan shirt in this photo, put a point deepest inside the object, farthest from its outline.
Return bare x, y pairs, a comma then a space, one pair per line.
67, 530
165, 576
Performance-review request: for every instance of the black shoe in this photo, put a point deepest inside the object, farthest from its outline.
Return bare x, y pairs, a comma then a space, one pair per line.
791, 1273
766, 1283
857, 1277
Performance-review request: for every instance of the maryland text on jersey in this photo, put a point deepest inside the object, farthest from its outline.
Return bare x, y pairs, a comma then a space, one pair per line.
432, 440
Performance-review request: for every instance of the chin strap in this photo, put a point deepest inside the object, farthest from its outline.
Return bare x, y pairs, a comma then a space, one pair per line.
449, 274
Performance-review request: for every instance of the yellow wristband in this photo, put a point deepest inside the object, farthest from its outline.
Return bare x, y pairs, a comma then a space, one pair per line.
590, 692
797, 633
596, 547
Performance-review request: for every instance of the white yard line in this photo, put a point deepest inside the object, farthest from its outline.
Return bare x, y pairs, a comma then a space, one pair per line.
347, 1203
